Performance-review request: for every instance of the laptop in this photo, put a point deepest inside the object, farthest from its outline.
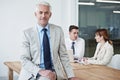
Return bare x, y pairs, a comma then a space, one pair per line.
70, 54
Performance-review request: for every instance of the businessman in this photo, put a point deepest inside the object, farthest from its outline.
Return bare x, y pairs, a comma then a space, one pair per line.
44, 53
74, 42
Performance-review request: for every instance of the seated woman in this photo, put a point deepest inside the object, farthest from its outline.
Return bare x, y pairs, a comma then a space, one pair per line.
104, 49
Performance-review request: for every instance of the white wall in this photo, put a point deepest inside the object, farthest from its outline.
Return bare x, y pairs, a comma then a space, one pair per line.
17, 15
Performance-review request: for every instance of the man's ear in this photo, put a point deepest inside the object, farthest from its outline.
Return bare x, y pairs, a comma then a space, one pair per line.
50, 14
35, 14
69, 33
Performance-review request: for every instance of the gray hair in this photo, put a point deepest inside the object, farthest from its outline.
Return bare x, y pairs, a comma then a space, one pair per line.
43, 3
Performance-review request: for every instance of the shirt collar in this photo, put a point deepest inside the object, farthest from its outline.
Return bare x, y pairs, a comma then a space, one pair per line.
72, 40
40, 27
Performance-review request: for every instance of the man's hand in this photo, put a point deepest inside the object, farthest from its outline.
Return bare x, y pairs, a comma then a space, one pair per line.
48, 74
52, 75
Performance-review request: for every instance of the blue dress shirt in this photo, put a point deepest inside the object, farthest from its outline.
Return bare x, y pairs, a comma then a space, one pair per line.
41, 32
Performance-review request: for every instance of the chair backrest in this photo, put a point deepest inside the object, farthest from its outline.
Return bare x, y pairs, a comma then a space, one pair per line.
115, 62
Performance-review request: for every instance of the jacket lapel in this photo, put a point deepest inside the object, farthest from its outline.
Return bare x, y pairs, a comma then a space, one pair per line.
37, 40
52, 38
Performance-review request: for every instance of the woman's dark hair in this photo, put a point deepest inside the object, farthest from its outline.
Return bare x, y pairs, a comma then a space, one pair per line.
104, 33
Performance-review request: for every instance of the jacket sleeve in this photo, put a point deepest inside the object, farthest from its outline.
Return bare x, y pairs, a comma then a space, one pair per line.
26, 58
108, 53
64, 57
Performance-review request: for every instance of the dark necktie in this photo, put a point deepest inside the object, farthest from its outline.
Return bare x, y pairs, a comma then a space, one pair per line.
73, 47
46, 49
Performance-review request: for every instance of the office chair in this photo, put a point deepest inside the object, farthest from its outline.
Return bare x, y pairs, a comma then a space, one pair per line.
115, 62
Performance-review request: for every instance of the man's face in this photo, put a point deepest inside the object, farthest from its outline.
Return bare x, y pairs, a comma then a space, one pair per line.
43, 14
73, 34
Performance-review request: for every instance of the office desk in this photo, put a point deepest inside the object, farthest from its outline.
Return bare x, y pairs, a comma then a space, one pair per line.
95, 72
85, 72
13, 66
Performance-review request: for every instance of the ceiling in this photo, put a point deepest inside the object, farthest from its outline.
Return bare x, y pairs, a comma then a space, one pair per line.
104, 5
97, 0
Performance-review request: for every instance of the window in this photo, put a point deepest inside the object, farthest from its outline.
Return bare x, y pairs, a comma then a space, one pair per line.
93, 15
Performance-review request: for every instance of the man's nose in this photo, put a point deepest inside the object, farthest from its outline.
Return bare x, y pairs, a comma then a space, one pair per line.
76, 34
43, 15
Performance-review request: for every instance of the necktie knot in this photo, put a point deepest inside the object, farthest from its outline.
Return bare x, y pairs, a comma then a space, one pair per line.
73, 43
44, 29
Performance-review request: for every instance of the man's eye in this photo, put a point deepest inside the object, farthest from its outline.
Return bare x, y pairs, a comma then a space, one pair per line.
46, 12
40, 12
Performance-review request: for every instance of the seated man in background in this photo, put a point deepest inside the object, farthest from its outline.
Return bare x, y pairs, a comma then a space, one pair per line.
75, 43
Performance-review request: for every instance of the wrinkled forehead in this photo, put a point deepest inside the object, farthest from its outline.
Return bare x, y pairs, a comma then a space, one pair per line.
74, 31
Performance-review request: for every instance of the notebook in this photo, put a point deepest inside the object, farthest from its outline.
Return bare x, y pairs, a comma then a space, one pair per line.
70, 54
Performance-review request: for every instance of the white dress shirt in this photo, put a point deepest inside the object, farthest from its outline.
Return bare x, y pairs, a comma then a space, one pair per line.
79, 46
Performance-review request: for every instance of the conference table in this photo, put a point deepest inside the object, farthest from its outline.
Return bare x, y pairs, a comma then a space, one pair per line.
84, 72
95, 72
